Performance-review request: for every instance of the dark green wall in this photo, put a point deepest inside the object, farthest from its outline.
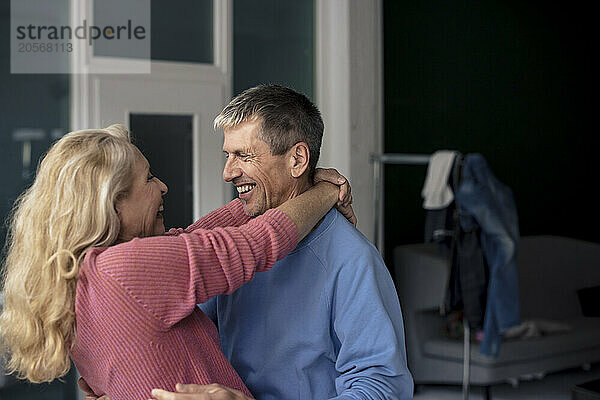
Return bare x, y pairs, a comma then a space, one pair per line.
512, 81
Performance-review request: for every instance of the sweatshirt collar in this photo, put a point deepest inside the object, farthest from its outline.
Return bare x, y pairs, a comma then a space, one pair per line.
323, 227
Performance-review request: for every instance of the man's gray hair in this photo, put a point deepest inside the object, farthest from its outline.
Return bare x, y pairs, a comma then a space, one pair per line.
287, 117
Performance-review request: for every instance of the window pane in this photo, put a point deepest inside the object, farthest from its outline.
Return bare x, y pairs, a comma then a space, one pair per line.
273, 42
35, 111
171, 163
181, 30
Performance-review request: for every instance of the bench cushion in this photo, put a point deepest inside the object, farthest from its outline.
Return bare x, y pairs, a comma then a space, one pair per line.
585, 334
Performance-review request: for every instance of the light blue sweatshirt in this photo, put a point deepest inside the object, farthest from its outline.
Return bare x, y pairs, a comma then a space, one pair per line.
324, 323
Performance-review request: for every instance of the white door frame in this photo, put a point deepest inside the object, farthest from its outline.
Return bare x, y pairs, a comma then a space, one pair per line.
90, 108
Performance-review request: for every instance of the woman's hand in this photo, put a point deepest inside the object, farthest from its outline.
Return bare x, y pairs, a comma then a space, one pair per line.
344, 204
200, 392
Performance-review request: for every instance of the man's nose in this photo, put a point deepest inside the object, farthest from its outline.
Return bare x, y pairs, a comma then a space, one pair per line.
163, 187
230, 170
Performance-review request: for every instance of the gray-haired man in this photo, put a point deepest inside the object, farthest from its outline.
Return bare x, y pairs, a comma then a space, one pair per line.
325, 323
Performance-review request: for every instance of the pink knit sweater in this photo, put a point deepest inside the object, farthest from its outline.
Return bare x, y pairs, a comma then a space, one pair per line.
138, 326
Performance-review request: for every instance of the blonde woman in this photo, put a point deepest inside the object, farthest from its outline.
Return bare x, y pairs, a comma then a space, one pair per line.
91, 274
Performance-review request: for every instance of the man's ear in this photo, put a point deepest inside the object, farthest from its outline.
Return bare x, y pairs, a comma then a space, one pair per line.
299, 155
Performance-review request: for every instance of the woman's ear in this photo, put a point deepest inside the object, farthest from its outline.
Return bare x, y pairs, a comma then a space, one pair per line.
299, 157
118, 204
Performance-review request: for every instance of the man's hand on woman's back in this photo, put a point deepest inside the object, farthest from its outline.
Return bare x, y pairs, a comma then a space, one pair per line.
200, 392
183, 392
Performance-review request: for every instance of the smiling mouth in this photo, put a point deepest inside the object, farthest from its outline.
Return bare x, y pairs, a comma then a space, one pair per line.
245, 188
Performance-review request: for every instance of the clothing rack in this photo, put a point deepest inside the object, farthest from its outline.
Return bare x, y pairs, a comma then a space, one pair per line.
378, 160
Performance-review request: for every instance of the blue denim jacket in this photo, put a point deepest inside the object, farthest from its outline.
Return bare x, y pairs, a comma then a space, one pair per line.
483, 200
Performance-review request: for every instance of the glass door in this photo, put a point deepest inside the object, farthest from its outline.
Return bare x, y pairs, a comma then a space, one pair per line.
188, 84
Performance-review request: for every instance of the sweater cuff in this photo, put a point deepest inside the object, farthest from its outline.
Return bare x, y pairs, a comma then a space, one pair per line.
284, 224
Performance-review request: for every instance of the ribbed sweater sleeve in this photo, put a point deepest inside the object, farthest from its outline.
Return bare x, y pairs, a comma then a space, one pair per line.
231, 214
168, 275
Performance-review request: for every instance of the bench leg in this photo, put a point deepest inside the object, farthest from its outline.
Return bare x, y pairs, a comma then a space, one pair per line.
486, 392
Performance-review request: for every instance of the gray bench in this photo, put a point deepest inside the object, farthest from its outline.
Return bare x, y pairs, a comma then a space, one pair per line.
551, 270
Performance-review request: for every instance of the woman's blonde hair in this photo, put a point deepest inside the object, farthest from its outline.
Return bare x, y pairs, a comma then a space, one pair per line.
69, 208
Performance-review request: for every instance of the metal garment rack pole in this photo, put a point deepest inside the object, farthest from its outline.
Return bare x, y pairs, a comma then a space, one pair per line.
378, 160
466, 359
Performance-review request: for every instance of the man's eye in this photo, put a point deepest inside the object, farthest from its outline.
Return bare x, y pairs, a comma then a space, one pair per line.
150, 177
